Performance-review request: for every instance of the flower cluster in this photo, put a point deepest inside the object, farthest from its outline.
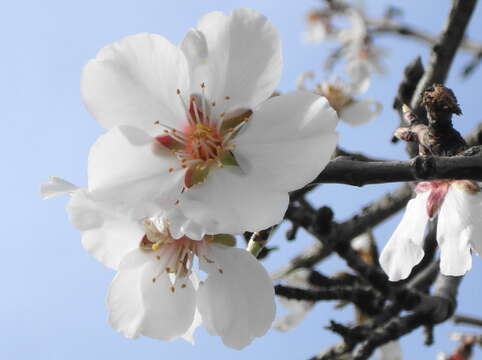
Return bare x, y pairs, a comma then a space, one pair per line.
196, 150
362, 57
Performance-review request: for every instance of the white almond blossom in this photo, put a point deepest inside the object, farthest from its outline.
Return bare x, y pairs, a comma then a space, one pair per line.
458, 204
363, 58
297, 309
156, 293
344, 98
318, 26
390, 351
192, 126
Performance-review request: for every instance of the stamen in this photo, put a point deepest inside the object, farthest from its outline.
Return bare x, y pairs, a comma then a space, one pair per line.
203, 105
196, 112
186, 109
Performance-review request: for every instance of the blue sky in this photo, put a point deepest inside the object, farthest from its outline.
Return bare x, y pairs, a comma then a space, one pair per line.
53, 303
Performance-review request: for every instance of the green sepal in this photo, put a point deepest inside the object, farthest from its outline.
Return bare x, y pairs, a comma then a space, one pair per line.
224, 239
227, 159
196, 174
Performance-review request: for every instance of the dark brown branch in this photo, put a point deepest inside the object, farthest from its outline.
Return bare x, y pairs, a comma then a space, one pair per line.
469, 320
369, 217
359, 173
389, 26
364, 297
444, 50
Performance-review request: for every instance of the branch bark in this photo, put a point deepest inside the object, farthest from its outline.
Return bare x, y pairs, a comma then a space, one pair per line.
358, 173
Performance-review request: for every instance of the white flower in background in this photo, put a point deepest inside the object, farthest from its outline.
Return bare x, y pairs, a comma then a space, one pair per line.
191, 126
362, 57
390, 351
156, 293
344, 99
318, 26
458, 204
297, 309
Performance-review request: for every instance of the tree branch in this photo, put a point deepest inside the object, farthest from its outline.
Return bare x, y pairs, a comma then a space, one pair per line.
359, 173
444, 50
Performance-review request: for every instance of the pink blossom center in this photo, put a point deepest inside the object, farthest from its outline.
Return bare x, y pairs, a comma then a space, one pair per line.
438, 191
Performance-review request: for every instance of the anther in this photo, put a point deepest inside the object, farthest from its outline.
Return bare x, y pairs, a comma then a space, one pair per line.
178, 92
170, 170
220, 271
153, 280
158, 257
173, 289
183, 286
227, 97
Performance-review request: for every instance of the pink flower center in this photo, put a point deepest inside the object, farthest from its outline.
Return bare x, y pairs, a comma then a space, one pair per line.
439, 189
204, 141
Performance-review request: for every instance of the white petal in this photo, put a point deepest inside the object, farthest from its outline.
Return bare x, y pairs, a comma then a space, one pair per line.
288, 141
106, 235
243, 60
124, 302
404, 250
390, 351
124, 169
230, 202
140, 306
360, 111
168, 314
297, 312
237, 304
315, 33
56, 186
458, 218
134, 82
197, 321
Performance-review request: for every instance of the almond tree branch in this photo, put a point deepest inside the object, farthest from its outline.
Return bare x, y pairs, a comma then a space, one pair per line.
358, 173
444, 50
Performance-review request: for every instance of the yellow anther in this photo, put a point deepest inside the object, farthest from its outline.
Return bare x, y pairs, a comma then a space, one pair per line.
155, 246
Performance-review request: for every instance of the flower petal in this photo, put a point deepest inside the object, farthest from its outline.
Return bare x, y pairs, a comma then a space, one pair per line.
168, 314
404, 250
360, 111
230, 202
288, 141
237, 299
139, 305
126, 168
125, 303
243, 58
56, 186
297, 312
134, 82
390, 351
106, 235
458, 218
